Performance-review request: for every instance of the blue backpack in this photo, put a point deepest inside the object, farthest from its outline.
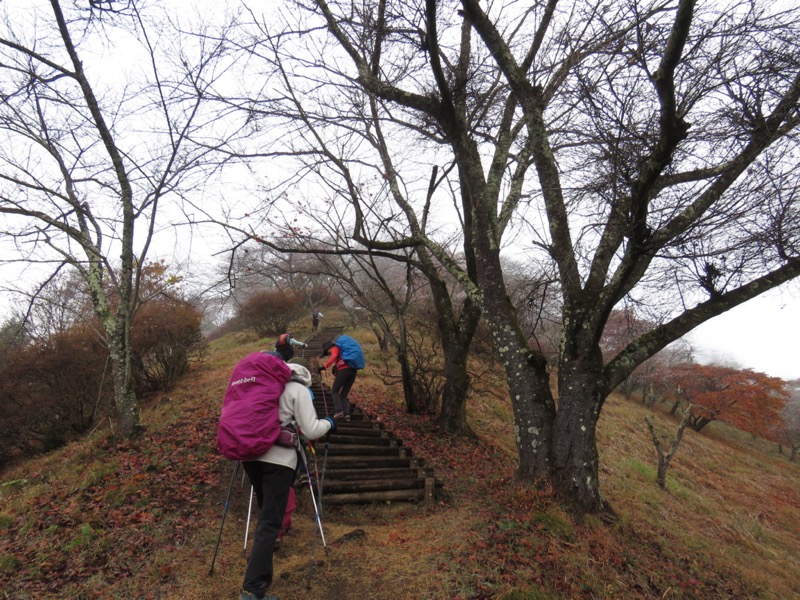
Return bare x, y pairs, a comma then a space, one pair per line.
351, 351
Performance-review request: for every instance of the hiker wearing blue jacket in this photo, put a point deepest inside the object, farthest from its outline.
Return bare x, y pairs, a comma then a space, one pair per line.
344, 377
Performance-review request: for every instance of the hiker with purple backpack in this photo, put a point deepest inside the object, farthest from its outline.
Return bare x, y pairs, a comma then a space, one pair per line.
265, 397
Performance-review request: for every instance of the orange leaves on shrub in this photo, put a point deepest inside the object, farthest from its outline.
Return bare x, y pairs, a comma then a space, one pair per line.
746, 399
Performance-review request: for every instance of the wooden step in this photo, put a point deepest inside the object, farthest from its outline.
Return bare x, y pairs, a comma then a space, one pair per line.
384, 496
372, 485
363, 461
366, 450
385, 473
372, 462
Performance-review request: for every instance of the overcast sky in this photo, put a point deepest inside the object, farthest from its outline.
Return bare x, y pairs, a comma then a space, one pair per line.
763, 334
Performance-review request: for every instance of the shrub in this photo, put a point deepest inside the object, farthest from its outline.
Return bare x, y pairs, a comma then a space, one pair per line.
270, 312
166, 338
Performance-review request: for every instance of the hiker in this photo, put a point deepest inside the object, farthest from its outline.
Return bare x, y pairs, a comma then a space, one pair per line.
315, 317
292, 503
272, 475
344, 375
286, 344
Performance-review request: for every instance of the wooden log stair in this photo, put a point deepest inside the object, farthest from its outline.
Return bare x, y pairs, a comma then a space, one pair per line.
365, 462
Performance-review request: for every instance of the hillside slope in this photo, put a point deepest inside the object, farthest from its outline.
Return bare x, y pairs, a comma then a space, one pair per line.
105, 518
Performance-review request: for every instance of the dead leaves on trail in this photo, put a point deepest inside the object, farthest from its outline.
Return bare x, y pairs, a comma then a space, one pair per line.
117, 503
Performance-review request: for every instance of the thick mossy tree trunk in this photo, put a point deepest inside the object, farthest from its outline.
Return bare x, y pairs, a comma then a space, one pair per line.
526, 371
574, 446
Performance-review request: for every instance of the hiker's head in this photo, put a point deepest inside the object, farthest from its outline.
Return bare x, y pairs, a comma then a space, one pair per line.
326, 348
285, 350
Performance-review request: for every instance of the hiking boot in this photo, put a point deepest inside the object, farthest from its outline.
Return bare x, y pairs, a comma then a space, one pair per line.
338, 415
245, 595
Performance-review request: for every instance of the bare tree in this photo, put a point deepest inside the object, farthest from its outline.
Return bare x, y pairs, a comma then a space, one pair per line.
89, 154
664, 458
349, 146
647, 145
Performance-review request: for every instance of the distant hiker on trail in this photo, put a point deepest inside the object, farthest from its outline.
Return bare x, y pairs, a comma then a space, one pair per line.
272, 475
347, 358
286, 344
315, 317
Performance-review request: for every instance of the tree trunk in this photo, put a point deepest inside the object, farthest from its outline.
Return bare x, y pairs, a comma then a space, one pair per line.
456, 342
456, 330
453, 414
413, 404
697, 423
661, 475
125, 401
526, 373
574, 449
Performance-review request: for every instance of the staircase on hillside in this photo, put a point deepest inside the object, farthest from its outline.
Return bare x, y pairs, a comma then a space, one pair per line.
365, 462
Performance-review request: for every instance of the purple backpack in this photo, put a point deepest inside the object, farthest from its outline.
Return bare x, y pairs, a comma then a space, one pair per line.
249, 424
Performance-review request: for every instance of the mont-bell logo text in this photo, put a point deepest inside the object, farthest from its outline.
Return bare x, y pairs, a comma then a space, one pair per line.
243, 380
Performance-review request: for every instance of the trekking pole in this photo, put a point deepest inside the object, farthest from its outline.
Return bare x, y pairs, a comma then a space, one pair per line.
224, 512
317, 515
325, 457
311, 489
247, 528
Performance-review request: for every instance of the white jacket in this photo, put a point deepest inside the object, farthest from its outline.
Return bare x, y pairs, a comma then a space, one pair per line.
296, 405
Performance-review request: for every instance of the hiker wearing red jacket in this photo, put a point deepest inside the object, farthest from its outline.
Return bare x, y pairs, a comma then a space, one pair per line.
344, 377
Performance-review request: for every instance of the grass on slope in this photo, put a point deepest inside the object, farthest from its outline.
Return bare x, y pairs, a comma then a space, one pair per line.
107, 518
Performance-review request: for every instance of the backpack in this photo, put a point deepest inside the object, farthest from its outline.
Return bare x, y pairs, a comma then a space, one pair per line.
249, 424
351, 351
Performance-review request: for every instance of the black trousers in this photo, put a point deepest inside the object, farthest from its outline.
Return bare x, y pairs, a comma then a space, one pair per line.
271, 484
341, 389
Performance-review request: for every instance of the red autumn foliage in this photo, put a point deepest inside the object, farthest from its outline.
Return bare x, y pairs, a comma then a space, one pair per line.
746, 399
